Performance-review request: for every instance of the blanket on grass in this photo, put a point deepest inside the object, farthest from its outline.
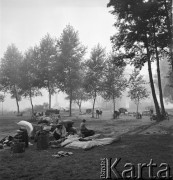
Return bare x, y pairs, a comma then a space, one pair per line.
92, 142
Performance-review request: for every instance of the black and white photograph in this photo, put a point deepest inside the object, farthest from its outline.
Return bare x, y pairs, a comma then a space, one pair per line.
86, 89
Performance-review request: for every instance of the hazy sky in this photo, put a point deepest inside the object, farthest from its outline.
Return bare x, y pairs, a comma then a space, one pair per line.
25, 22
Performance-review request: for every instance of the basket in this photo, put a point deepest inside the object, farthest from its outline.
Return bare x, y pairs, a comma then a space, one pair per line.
18, 147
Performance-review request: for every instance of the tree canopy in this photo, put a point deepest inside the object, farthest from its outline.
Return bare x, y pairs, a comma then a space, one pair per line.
70, 55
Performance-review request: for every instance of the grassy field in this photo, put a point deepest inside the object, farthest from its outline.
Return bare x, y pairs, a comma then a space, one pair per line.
133, 147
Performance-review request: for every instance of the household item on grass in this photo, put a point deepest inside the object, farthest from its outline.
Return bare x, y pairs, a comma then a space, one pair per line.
22, 136
70, 139
18, 147
6, 142
89, 144
27, 125
52, 111
62, 154
76, 137
43, 140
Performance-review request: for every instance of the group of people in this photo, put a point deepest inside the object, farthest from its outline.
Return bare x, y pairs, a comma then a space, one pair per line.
60, 132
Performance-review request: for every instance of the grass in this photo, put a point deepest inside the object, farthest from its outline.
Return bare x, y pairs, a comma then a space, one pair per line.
40, 165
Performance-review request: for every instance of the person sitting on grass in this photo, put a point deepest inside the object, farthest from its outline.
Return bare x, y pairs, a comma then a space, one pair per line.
84, 131
59, 132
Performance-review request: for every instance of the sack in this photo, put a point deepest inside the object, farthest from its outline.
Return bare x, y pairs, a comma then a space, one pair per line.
43, 141
18, 147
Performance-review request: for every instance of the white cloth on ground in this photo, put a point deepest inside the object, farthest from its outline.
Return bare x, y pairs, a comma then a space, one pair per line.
89, 144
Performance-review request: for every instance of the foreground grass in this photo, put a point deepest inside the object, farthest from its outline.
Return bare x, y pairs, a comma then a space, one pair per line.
34, 164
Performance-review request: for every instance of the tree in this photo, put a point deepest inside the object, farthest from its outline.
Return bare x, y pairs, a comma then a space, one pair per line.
114, 82
9, 75
94, 73
166, 76
28, 79
46, 72
70, 55
137, 90
2, 99
139, 37
168, 4
79, 96
168, 89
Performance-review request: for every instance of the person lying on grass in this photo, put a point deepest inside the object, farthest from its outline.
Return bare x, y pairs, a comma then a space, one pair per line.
84, 131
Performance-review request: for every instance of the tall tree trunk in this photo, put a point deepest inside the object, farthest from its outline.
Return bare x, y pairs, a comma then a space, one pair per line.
94, 104
17, 102
30, 97
113, 99
16, 97
49, 99
158, 73
151, 81
137, 109
113, 104
2, 108
49, 91
80, 105
70, 102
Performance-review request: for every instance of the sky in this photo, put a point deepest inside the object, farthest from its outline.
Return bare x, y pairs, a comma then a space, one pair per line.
25, 22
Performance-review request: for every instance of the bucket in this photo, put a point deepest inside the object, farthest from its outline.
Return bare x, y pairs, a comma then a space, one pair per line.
43, 141
18, 147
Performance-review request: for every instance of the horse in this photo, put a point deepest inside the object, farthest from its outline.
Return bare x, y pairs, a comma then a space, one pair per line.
116, 114
98, 113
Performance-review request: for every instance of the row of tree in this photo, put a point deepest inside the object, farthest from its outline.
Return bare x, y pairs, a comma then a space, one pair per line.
59, 65
144, 35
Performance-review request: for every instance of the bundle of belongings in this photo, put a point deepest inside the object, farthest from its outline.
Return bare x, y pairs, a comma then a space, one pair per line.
62, 154
16, 143
6, 142
20, 140
51, 115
